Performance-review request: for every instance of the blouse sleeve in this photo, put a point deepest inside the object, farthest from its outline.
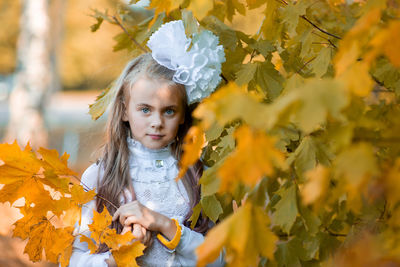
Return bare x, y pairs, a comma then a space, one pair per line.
80, 252
190, 240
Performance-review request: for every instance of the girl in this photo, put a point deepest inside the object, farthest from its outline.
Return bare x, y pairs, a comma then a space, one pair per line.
147, 123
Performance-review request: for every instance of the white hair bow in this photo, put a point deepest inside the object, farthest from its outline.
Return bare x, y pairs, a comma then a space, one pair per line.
199, 68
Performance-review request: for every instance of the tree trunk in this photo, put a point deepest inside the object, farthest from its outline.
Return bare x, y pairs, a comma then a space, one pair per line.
34, 77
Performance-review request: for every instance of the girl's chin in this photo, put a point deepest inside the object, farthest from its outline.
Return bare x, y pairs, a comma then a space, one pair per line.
155, 144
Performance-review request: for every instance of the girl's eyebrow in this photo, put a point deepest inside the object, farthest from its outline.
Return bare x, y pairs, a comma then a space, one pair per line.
171, 107
143, 104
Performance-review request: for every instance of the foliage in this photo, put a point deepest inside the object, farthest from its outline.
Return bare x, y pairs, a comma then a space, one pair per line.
52, 202
305, 128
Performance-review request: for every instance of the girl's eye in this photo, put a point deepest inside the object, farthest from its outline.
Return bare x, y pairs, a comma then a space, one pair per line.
170, 112
145, 110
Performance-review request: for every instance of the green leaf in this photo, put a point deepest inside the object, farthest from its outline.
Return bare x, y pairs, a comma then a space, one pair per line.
321, 62
227, 36
102, 101
264, 47
269, 79
311, 220
286, 209
195, 215
287, 253
96, 26
246, 73
252, 4
308, 154
211, 207
209, 181
291, 14
190, 22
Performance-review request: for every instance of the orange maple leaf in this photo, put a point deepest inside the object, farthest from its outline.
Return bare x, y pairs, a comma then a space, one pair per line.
245, 235
126, 255
255, 156
17, 164
193, 144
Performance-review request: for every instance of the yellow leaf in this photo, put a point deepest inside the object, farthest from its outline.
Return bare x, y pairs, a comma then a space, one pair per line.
40, 238
101, 222
229, 103
114, 240
245, 235
350, 45
29, 189
357, 79
200, 8
17, 164
102, 102
92, 245
126, 255
23, 225
60, 248
255, 157
392, 183
193, 144
387, 42
80, 196
59, 165
316, 185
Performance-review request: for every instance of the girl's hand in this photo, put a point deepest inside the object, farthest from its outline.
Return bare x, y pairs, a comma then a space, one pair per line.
136, 213
111, 261
140, 233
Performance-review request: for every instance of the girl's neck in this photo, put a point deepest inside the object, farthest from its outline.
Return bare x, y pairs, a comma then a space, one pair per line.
139, 150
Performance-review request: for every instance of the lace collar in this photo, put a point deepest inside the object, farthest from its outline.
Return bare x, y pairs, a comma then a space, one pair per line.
139, 150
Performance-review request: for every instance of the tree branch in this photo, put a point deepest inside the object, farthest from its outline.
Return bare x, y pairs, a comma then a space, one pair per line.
318, 28
130, 37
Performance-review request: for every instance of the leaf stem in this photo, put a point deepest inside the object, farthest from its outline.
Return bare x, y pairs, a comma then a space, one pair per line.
130, 36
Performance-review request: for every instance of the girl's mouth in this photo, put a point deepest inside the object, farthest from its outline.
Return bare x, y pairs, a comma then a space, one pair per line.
155, 136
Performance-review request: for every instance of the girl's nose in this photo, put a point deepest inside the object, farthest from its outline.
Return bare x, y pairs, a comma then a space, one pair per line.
156, 121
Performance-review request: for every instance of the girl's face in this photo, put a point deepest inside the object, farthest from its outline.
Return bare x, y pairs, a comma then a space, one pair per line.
154, 110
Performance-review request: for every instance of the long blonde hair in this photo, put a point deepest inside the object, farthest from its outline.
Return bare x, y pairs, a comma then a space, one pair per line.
114, 159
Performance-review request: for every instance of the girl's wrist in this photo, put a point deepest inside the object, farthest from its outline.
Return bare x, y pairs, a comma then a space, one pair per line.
168, 228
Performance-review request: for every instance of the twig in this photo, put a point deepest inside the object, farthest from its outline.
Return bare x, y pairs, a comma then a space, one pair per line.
334, 234
127, 33
305, 64
329, 41
306, 19
321, 30
87, 188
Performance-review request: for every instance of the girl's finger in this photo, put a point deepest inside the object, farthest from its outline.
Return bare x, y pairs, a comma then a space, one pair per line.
137, 232
131, 220
116, 215
126, 229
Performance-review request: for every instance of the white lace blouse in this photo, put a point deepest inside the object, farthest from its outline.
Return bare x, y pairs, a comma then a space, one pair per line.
153, 175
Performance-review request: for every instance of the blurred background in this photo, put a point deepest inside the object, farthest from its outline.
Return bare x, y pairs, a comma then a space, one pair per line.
51, 68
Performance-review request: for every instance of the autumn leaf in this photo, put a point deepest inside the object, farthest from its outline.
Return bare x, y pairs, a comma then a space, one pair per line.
101, 222
126, 255
192, 147
200, 8
286, 209
229, 103
255, 157
59, 165
102, 102
17, 164
316, 185
91, 245
245, 235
